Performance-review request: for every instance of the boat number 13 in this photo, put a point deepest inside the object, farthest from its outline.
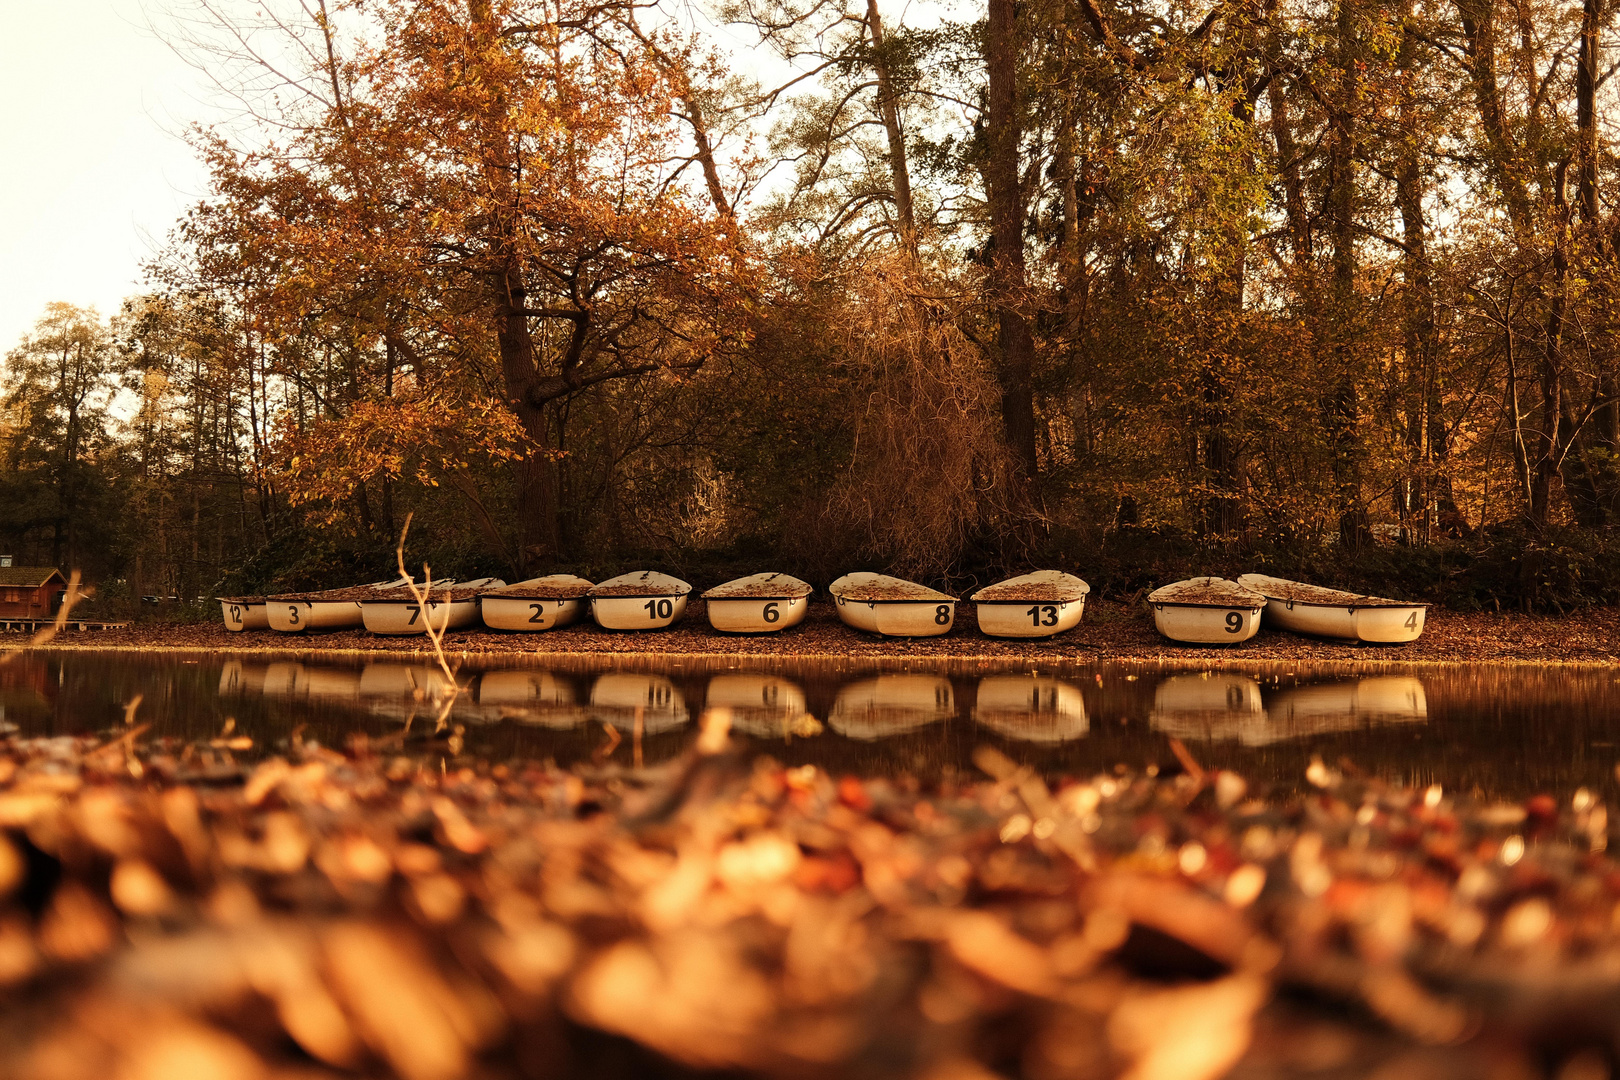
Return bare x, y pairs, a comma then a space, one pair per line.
659, 609
1035, 613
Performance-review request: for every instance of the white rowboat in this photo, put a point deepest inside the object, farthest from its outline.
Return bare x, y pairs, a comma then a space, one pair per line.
1309, 609
244, 613
324, 609
450, 607
759, 603
641, 600
1031, 708
894, 607
1206, 611
540, 603
1034, 605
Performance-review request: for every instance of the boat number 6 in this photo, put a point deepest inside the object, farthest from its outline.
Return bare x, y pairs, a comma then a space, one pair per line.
771, 613
659, 609
539, 610
942, 615
1234, 621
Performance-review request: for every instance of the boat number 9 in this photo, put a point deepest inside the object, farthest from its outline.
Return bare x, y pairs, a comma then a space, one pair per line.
292, 615
1234, 621
771, 612
1035, 613
415, 610
1411, 621
539, 610
942, 615
659, 609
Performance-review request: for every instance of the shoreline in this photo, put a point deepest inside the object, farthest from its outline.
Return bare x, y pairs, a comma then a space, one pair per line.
1111, 634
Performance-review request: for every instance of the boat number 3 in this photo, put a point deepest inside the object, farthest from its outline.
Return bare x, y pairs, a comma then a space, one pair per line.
1411, 621
415, 610
539, 610
659, 609
771, 613
292, 615
942, 615
1234, 621
1035, 613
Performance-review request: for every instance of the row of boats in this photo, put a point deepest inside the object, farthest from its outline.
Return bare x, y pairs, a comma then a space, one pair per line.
1028, 707
1203, 610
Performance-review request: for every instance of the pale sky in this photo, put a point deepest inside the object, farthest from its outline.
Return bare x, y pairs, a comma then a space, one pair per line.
93, 173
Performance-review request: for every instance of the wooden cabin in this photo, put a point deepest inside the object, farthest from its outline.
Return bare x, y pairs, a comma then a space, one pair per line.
30, 592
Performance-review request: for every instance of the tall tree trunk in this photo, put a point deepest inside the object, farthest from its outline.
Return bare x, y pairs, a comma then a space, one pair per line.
1007, 272
889, 106
1343, 405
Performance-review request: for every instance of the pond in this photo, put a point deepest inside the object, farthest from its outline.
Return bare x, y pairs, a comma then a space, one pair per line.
1507, 730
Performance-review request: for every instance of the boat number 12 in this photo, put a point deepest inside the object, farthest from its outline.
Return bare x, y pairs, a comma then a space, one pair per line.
1234, 621
659, 609
1035, 613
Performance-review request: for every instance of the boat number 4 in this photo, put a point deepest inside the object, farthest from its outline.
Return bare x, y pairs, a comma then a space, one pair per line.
659, 609
771, 613
942, 615
1035, 613
1234, 621
1411, 621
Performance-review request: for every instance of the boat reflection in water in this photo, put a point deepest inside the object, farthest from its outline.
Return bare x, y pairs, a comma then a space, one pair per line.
419, 681
616, 696
239, 678
1032, 708
1230, 707
531, 697
768, 706
891, 705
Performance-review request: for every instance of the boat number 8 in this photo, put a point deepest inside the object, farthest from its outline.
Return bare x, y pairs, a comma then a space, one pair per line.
771, 613
1049, 610
1234, 621
659, 609
539, 610
942, 615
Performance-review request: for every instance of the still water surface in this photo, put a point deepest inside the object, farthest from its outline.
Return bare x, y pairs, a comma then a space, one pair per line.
1502, 730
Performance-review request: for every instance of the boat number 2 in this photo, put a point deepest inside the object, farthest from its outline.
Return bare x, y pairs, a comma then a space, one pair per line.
659, 609
942, 615
1411, 621
1035, 613
1234, 621
771, 612
539, 610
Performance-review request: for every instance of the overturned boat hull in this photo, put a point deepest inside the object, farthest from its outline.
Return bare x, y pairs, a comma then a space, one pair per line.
244, 615
1021, 619
530, 613
1201, 624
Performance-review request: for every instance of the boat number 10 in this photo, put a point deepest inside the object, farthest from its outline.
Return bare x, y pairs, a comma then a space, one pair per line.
1050, 612
659, 609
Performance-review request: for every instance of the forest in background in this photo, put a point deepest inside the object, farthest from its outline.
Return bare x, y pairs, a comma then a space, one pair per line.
1141, 288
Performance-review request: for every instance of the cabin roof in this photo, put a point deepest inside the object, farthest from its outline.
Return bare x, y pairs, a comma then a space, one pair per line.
31, 577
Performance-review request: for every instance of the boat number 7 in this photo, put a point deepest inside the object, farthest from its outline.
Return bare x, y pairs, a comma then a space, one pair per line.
942, 615
539, 610
415, 610
1234, 621
1411, 621
659, 609
771, 612
1050, 611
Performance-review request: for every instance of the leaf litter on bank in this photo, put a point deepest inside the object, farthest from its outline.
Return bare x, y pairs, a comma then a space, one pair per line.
322, 913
